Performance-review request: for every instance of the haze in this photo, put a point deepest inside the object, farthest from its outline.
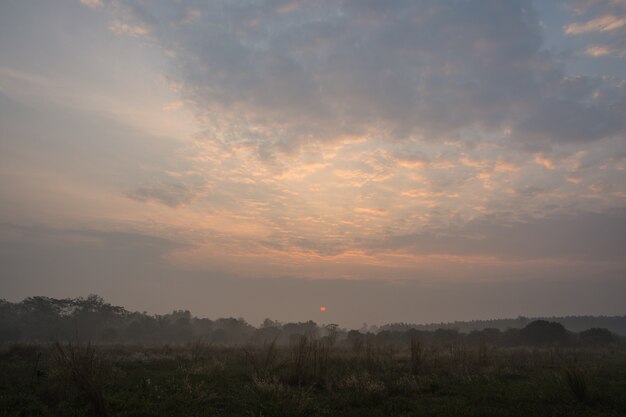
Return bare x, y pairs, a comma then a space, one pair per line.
410, 161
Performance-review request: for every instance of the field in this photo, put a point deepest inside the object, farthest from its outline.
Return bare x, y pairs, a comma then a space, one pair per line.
311, 378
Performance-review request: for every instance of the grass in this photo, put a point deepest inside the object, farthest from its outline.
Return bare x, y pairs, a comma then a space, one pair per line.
417, 352
310, 378
578, 383
79, 366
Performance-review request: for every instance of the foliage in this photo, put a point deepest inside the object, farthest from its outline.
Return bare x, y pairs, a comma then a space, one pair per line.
43, 319
78, 366
310, 378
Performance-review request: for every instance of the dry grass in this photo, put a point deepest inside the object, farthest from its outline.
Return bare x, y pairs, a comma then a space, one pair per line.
577, 382
309, 361
79, 365
417, 355
263, 360
309, 377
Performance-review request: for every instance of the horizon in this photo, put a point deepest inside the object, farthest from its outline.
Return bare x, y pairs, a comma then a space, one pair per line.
365, 327
421, 162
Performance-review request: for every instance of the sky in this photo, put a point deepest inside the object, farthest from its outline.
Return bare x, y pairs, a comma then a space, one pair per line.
395, 161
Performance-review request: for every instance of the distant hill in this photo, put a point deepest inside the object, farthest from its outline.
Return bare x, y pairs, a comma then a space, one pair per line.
616, 324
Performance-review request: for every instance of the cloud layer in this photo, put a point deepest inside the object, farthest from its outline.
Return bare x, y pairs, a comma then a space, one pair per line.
604, 24
416, 140
278, 75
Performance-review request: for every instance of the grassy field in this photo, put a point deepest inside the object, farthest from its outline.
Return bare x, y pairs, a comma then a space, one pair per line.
309, 378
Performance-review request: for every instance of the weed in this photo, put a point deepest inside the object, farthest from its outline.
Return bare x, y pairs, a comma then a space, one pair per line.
578, 383
78, 365
264, 361
417, 353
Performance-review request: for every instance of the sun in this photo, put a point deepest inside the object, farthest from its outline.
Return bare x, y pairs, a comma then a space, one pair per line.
322, 308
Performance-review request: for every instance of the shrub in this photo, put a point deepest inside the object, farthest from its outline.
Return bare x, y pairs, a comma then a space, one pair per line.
597, 336
541, 332
78, 365
578, 383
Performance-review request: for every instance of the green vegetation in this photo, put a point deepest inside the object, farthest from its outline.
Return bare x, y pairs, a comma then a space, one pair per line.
311, 378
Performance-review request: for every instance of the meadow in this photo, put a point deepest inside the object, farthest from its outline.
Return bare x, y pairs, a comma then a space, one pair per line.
311, 377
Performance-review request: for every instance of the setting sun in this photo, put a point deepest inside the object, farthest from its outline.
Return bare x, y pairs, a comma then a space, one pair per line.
322, 308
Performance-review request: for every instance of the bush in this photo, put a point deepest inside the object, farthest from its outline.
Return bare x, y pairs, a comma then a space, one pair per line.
78, 365
541, 332
597, 336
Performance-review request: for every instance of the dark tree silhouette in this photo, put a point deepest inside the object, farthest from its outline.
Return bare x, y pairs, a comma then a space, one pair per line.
597, 336
542, 332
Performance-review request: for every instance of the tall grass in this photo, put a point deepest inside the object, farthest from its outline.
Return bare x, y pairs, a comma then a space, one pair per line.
78, 365
309, 377
578, 383
263, 361
417, 354
198, 349
309, 361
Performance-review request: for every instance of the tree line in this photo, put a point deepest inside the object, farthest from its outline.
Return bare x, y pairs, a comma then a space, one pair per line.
92, 319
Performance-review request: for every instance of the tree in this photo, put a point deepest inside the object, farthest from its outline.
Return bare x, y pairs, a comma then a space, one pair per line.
597, 336
542, 332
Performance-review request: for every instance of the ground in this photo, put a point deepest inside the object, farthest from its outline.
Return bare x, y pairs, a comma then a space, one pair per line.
310, 379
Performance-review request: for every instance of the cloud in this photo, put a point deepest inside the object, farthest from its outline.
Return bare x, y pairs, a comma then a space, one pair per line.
92, 3
275, 76
370, 211
597, 50
601, 23
577, 237
132, 30
128, 269
74, 261
332, 135
169, 194
545, 162
435, 153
